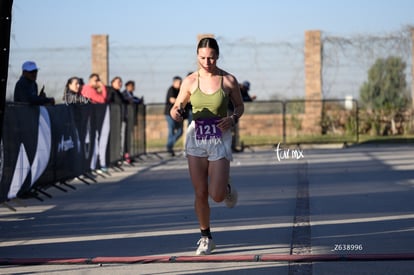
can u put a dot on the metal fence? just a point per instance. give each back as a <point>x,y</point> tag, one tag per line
<point>299,122</point>
<point>275,121</point>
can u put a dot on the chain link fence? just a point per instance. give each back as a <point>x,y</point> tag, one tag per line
<point>274,69</point>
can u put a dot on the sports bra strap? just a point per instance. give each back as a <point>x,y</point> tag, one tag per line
<point>198,79</point>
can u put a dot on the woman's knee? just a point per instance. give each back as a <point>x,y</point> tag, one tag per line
<point>218,197</point>
<point>218,194</point>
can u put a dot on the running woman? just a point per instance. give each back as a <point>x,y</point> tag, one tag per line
<point>208,141</point>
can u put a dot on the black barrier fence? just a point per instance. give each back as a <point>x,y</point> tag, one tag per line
<point>44,145</point>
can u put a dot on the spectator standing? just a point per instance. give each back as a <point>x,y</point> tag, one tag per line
<point>26,89</point>
<point>81,84</point>
<point>175,128</point>
<point>95,90</point>
<point>114,91</point>
<point>129,93</point>
<point>72,93</point>
<point>117,97</point>
<point>244,89</point>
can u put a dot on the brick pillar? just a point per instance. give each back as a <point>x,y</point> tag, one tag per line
<point>100,57</point>
<point>204,35</point>
<point>313,82</point>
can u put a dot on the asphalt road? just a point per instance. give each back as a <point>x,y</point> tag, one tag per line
<point>302,211</point>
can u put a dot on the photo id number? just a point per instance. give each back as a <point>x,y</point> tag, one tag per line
<point>348,247</point>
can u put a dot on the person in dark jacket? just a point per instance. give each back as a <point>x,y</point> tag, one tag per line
<point>117,97</point>
<point>175,128</point>
<point>26,90</point>
<point>244,89</point>
<point>128,93</point>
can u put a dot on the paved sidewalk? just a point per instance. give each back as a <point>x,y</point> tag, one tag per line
<point>319,203</point>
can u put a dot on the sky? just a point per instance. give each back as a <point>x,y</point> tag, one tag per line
<point>66,24</point>
<point>51,23</point>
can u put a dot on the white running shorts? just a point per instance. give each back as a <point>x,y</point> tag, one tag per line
<point>213,149</point>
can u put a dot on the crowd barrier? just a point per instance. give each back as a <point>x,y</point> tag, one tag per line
<point>43,145</point>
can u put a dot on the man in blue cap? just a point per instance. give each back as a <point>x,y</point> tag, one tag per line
<point>244,89</point>
<point>26,90</point>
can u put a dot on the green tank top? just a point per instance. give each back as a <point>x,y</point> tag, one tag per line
<point>209,105</point>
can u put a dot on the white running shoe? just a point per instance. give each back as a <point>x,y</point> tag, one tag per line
<point>232,197</point>
<point>205,246</point>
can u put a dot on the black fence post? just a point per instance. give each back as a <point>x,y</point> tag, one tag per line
<point>5,28</point>
<point>144,142</point>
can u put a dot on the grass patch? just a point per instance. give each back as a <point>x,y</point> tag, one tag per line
<point>159,144</point>
<point>365,139</point>
<point>304,139</point>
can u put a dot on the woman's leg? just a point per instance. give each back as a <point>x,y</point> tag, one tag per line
<point>198,167</point>
<point>219,172</point>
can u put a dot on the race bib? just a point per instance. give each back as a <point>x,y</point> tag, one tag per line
<point>206,128</point>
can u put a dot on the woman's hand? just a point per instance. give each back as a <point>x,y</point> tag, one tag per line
<point>176,113</point>
<point>225,123</point>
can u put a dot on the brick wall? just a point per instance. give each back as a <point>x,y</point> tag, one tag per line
<point>261,125</point>
<point>249,125</point>
<point>156,127</point>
